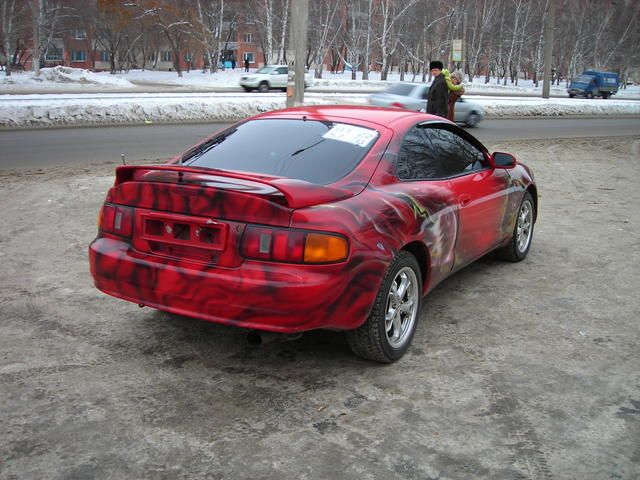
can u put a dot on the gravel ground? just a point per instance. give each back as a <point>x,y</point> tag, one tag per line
<point>517,371</point>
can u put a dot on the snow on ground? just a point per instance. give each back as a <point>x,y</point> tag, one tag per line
<point>64,78</point>
<point>24,111</point>
<point>60,79</point>
<point>72,109</point>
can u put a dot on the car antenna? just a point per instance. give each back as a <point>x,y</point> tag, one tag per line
<point>123,162</point>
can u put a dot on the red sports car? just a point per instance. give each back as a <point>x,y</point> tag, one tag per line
<point>335,217</point>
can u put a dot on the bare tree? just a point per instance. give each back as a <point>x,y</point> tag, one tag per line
<point>45,17</point>
<point>323,30</point>
<point>174,20</point>
<point>209,27</point>
<point>7,24</point>
<point>355,32</point>
<point>391,12</point>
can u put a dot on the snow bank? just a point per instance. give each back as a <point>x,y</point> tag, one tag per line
<point>61,74</point>
<point>20,111</point>
<point>48,112</point>
<point>554,107</point>
<point>60,79</point>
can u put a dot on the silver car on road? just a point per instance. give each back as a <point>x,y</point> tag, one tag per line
<point>269,77</point>
<point>413,96</point>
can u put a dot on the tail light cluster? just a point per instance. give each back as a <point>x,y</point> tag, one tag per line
<point>116,220</point>
<point>293,246</point>
<point>258,242</point>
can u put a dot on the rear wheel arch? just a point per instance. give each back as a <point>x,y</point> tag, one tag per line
<point>421,253</point>
<point>534,193</point>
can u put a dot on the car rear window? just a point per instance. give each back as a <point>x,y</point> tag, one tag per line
<point>319,152</point>
<point>401,89</point>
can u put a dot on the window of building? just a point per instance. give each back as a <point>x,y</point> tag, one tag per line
<point>250,56</point>
<point>104,56</point>
<point>165,56</point>
<point>54,54</point>
<point>80,34</point>
<point>151,57</point>
<point>247,38</point>
<point>78,56</point>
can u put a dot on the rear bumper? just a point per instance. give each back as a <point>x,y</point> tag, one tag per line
<point>260,295</point>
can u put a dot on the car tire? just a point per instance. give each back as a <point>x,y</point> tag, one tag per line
<point>605,95</point>
<point>247,89</point>
<point>263,87</point>
<point>387,333</point>
<point>520,244</point>
<point>571,95</point>
<point>472,119</point>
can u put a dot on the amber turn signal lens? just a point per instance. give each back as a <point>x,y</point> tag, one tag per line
<point>321,248</point>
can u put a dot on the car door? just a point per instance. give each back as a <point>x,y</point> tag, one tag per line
<point>280,77</point>
<point>461,110</point>
<point>415,100</point>
<point>481,191</point>
<point>421,92</point>
<point>423,184</point>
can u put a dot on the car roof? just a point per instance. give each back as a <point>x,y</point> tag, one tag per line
<point>355,113</point>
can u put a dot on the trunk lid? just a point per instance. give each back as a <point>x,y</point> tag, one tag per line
<point>200,214</point>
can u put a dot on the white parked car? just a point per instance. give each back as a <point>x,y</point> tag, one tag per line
<point>268,77</point>
<point>413,96</point>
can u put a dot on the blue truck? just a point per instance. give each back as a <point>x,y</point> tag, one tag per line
<point>590,84</point>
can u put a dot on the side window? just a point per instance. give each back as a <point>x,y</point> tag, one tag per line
<point>474,158</point>
<point>418,159</point>
<point>447,147</point>
<point>282,70</point>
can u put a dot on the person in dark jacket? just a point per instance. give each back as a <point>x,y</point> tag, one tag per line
<point>246,64</point>
<point>438,97</point>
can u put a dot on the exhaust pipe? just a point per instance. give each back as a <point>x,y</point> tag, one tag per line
<point>256,338</point>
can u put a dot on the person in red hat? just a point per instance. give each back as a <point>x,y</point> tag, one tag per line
<point>438,97</point>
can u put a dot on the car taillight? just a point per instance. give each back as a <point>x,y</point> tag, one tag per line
<point>116,220</point>
<point>293,246</point>
<point>397,105</point>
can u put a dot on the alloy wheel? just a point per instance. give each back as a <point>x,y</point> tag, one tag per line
<point>402,307</point>
<point>524,230</point>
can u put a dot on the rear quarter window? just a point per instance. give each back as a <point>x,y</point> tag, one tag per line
<point>319,152</point>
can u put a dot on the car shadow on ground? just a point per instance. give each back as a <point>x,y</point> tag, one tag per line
<point>178,340</point>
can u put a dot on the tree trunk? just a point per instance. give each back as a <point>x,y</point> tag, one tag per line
<point>37,9</point>
<point>283,36</point>
<point>367,46</point>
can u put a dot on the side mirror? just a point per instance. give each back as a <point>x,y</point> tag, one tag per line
<point>503,160</point>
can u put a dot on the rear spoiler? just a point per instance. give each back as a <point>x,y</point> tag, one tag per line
<point>295,193</point>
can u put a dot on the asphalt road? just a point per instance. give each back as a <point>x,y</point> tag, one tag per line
<point>28,149</point>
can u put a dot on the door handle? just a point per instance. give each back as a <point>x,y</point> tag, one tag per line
<point>465,200</point>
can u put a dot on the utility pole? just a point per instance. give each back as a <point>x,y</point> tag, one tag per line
<point>36,11</point>
<point>549,25</point>
<point>297,52</point>
<point>463,64</point>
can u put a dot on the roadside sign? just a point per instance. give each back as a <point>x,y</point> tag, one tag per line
<point>456,50</point>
